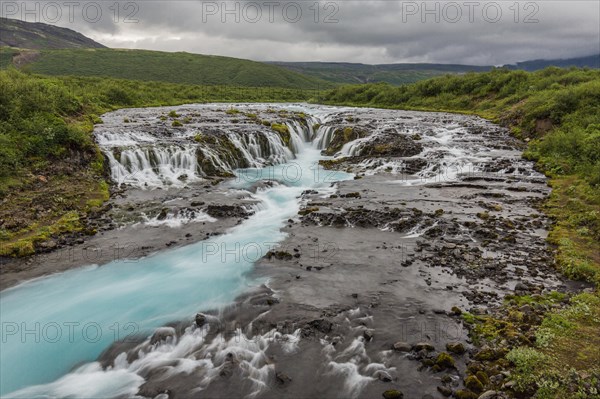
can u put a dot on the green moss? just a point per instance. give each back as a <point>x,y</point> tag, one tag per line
<point>173,114</point>
<point>176,123</point>
<point>473,384</point>
<point>392,394</point>
<point>465,394</point>
<point>306,211</point>
<point>483,215</point>
<point>444,360</point>
<point>455,347</point>
<point>482,377</point>
<point>283,132</point>
<point>343,136</point>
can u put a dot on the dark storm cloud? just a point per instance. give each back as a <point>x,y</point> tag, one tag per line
<point>357,31</point>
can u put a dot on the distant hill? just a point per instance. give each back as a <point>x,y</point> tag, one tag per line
<point>160,66</point>
<point>396,74</point>
<point>16,33</point>
<point>592,61</point>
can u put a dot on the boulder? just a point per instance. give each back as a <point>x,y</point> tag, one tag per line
<point>401,346</point>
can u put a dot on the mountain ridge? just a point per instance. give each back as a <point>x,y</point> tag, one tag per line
<point>38,35</point>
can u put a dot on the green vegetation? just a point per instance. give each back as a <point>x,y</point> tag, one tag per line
<point>49,165</point>
<point>565,361</point>
<point>183,68</point>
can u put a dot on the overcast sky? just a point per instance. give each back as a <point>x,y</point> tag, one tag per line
<point>385,31</point>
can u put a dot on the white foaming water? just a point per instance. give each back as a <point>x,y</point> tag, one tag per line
<point>122,138</point>
<point>92,307</point>
<point>154,166</point>
<point>180,218</point>
<point>167,159</point>
<point>189,353</point>
<point>373,166</point>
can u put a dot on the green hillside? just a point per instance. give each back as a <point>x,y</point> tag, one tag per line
<point>395,74</point>
<point>401,74</point>
<point>16,33</point>
<point>183,68</point>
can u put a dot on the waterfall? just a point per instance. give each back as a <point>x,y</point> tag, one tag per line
<point>324,135</point>
<point>353,148</point>
<point>154,166</point>
<point>167,162</point>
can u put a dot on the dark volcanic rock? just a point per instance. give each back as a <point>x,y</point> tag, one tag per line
<point>226,211</point>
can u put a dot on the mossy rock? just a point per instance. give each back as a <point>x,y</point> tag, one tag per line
<point>343,136</point>
<point>483,215</point>
<point>465,394</point>
<point>455,347</point>
<point>308,210</point>
<point>283,132</point>
<point>483,377</point>
<point>424,345</point>
<point>456,311</point>
<point>486,354</point>
<point>473,384</point>
<point>444,360</point>
<point>393,394</point>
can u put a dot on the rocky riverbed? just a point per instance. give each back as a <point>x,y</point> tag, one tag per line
<point>367,294</point>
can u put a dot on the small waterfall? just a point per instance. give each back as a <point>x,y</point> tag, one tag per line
<point>313,121</point>
<point>296,136</point>
<point>324,135</point>
<point>353,148</point>
<point>154,166</point>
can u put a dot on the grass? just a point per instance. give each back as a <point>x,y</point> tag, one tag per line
<point>180,67</point>
<point>565,361</point>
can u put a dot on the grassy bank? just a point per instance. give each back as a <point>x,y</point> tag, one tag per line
<point>558,112</point>
<point>51,171</point>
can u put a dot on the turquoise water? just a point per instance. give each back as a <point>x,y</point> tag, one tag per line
<point>54,324</point>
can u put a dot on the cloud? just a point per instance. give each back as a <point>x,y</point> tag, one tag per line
<point>367,31</point>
